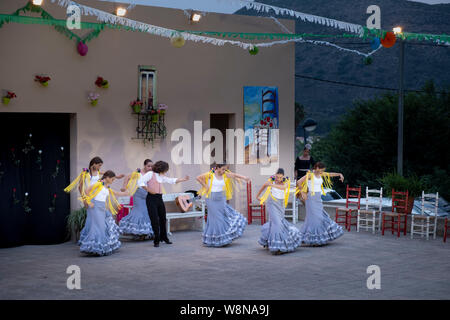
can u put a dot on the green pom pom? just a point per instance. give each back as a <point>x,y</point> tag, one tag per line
<point>253,51</point>
<point>368,60</point>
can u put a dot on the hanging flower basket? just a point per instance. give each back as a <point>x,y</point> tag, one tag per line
<point>43,80</point>
<point>10,95</point>
<point>94,102</point>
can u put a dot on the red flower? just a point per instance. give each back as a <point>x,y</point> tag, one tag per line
<point>99,81</point>
<point>54,196</point>
<point>14,189</point>
<point>262,122</point>
<point>57,161</point>
<point>268,118</point>
<point>271,125</point>
<point>11,95</point>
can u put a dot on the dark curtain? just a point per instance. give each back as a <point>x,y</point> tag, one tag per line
<point>40,217</point>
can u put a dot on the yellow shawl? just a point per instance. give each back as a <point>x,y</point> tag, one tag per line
<point>310,176</point>
<point>209,180</point>
<point>132,183</point>
<point>83,179</point>
<point>111,202</point>
<point>269,192</point>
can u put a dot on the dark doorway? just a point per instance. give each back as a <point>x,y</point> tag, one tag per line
<point>34,159</point>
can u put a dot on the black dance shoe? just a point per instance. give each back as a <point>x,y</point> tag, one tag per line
<point>156,244</point>
<point>167,241</point>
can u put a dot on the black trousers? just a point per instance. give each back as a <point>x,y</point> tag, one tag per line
<point>157,214</point>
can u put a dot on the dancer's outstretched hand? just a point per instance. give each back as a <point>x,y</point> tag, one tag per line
<point>341,177</point>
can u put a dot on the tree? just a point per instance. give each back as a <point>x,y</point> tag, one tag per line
<point>363,145</point>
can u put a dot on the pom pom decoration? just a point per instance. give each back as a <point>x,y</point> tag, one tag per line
<point>254,51</point>
<point>177,41</point>
<point>389,40</point>
<point>375,43</point>
<point>82,48</point>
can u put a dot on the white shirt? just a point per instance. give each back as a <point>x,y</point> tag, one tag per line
<point>277,193</point>
<point>159,178</point>
<point>317,185</point>
<point>102,195</point>
<point>94,179</point>
<point>217,184</point>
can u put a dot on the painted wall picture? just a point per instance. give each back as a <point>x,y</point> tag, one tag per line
<point>261,120</point>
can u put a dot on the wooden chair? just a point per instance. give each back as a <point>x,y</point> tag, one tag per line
<point>371,219</point>
<point>346,216</point>
<point>254,206</point>
<point>398,216</point>
<point>426,220</point>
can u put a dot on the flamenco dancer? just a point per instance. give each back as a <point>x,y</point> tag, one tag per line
<point>88,177</point>
<point>278,235</point>
<point>100,235</point>
<point>318,228</point>
<point>151,181</point>
<point>137,222</point>
<point>224,224</point>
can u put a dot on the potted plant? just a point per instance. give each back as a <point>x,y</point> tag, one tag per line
<point>43,80</point>
<point>93,98</point>
<point>162,108</point>
<point>76,221</point>
<point>101,83</point>
<point>154,114</point>
<point>136,105</point>
<point>412,184</point>
<point>9,95</point>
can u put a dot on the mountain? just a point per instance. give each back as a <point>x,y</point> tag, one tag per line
<point>326,102</point>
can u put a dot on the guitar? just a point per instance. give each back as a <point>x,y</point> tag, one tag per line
<point>183,203</point>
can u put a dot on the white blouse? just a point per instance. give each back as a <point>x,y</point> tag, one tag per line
<point>217,184</point>
<point>317,185</point>
<point>159,178</point>
<point>94,179</point>
<point>102,195</point>
<point>277,193</point>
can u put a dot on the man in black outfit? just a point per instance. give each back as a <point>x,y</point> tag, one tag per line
<point>155,204</point>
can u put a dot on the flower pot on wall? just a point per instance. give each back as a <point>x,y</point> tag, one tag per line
<point>137,108</point>
<point>5,100</point>
<point>154,117</point>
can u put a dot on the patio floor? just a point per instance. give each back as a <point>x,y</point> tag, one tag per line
<point>410,269</point>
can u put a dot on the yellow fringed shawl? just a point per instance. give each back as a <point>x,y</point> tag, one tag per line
<point>310,176</point>
<point>83,179</point>
<point>132,183</point>
<point>111,202</point>
<point>269,192</point>
<point>208,181</point>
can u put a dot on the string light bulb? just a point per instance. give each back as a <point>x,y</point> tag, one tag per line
<point>397,30</point>
<point>37,2</point>
<point>121,11</point>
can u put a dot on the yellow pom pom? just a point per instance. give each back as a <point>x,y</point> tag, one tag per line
<point>177,41</point>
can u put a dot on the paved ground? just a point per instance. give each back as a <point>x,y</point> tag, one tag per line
<point>410,269</point>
